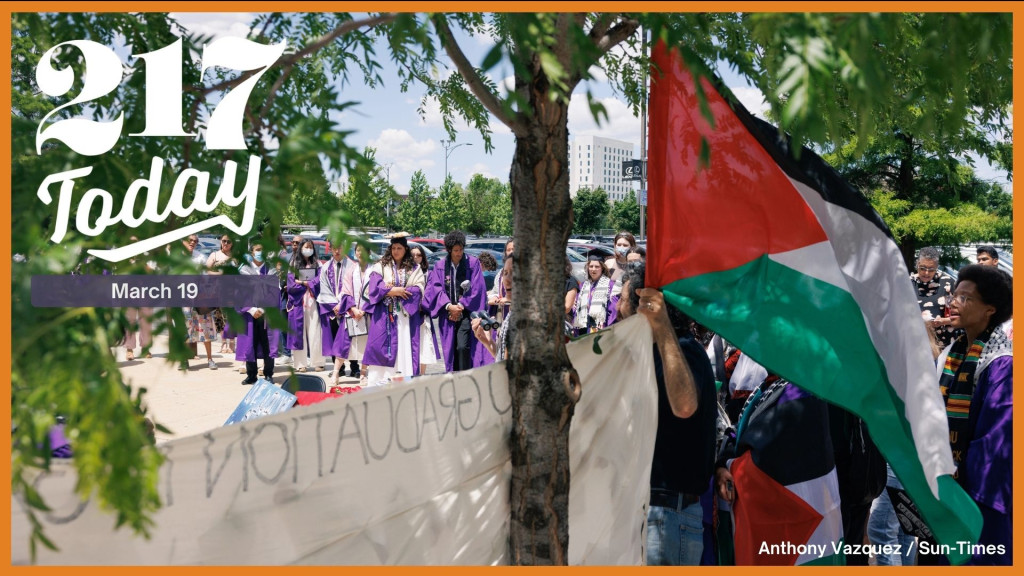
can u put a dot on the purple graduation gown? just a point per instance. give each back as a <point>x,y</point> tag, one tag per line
<point>989,461</point>
<point>382,341</point>
<point>474,300</point>
<point>333,345</point>
<point>245,351</point>
<point>295,338</point>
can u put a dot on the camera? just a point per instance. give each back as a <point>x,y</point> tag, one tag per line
<point>486,322</point>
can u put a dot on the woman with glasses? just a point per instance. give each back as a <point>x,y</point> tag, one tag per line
<point>301,290</point>
<point>933,290</point>
<point>976,382</point>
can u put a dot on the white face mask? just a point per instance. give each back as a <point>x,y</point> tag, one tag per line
<point>622,250</point>
<point>307,252</point>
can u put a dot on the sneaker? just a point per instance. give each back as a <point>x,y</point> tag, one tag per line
<point>287,361</point>
<point>213,365</point>
<point>248,382</point>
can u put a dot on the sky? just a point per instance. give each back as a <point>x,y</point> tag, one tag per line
<point>406,141</point>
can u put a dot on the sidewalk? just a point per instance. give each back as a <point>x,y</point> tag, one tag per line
<point>200,400</point>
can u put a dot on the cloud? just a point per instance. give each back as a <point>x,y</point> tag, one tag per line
<point>218,25</point>
<point>620,124</point>
<point>752,99</point>
<point>405,154</point>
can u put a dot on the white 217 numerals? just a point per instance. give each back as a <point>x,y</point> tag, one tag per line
<point>163,89</point>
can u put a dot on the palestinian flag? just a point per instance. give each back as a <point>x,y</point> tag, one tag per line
<point>785,260</point>
<point>787,493</point>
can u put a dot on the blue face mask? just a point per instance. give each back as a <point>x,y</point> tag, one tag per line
<point>258,256</point>
<point>622,250</point>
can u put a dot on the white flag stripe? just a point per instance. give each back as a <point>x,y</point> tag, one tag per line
<point>877,279</point>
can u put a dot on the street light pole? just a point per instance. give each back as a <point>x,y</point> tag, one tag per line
<point>387,174</point>
<point>449,147</point>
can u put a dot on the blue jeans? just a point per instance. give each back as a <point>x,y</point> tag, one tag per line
<point>884,528</point>
<point>675,538</point>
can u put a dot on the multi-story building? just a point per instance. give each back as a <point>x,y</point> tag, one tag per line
<point>596,162</point>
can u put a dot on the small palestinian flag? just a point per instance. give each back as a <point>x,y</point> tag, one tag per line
<point>787,504</point>
<point>785,260</point>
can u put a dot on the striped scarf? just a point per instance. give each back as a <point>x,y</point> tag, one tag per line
<point>957,386</point>
<point>596,304</point>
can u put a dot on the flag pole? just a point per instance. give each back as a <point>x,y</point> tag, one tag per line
<point>643,137</point>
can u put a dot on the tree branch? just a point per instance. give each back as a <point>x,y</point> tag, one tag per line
<point>289,60</point>
<point>490,101</point>
<point>624,29</point>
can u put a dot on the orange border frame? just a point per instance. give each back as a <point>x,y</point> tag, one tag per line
<point>530,6</point>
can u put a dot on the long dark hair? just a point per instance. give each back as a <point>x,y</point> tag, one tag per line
<point>300,261</point>
<point>406,263</point>
<point>423,265</point>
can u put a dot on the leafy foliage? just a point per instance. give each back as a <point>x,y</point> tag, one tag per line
<point>415,214</point>
<point>589,210</point>
<point>449,209</point>
<point>625,214</point>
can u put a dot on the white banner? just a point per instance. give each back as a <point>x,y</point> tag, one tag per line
<point>415,474</point>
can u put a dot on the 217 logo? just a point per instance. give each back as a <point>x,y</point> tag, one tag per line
<point>163,89</point>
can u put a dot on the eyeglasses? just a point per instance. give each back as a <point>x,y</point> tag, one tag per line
<point>192,241</point>
<point>960,299</point>
<point>926,269</point>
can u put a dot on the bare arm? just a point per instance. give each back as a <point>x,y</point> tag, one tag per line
<point>679,383</point>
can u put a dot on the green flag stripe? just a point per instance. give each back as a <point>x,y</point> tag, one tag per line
<point>812,332</point>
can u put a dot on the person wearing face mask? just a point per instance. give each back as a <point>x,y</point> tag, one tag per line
<point>354,303</point>
<point>302,290</point>
<point>257,340</point>
<point>617,264</point>
<point>335,341</point>
<point>596,301</point>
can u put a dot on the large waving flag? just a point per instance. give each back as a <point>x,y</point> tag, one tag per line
<point>784,259</point>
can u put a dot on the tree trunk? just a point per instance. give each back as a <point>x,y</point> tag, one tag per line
<point>543,384</point>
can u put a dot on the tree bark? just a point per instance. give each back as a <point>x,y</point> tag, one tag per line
<point>542,382</point>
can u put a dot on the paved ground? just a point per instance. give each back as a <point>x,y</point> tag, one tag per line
<point>193,402</point>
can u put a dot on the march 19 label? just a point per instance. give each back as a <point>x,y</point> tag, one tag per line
<point>158,291</point>
<point>163,93</point>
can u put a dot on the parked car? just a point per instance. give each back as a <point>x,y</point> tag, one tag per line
<point>588,248</point>
<point>435,244</point>
<point>380,245</point>
<point>492,244</point>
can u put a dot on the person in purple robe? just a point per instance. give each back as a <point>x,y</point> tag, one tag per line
<point>429,353</point>
<point>303,312</point>
<point>334,340</point>
<point>977,386</point>
<point>258,340</point>
<point>353,302</point>
<point>395,288</point>
<point>455,289</point>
